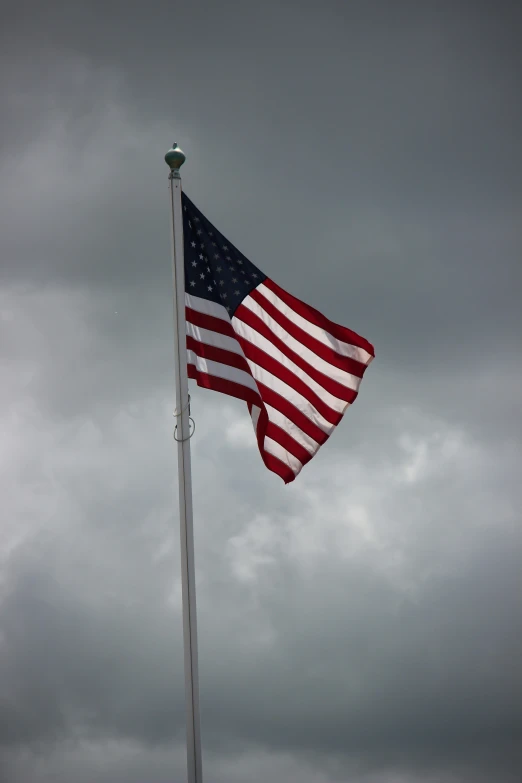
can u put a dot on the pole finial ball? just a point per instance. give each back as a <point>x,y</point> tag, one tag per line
<point>175,158</point>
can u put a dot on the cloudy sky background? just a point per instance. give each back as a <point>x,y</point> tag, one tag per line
<point>362,624</point>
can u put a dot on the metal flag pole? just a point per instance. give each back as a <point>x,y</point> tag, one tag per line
<point>175,159</point>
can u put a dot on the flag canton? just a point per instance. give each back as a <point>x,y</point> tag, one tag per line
<point>214,268</point>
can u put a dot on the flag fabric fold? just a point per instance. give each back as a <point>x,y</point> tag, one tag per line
<point>246,337</point>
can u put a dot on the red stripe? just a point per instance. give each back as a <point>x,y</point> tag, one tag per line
<point>287,442</point>
<point>262,424</point>
<point>224,386</point>
<point>282,373</point>
<point>216,354</point>
<point>326,353</point>
<point>337,389</point>
<point>209,322</point>
<point>317,318</point>
<point>271,397</point>
<point>276,466</point>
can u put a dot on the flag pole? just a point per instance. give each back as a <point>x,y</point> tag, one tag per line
<point>175,159</point>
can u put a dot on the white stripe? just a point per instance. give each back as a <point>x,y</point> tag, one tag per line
<point>289,394</point>
<point>282,454</point>
<point>216,339</point>
<point>207,307</point>
<point>292,429</point>
<point>333,372</point>
<point>345,349</point>
<point>258,340</point>
<point>222,370</point>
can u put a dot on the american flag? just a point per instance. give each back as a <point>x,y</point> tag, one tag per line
<point>248,338</point>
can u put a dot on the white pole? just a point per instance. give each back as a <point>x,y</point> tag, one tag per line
<point>175,158</point>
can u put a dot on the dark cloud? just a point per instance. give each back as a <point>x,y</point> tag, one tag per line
<point>348,623</point>
<point>411,151</point>
<point>363,622</point>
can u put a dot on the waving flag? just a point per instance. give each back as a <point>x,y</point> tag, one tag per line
<point>248,338</point>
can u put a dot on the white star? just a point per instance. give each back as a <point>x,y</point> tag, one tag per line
<point>216,255</point>
<point>238,261</point>
<point>221,282</point>
<point>234,279</point>
<point>199,232</point>
<point>202,276</point>
<point>225,247</point>
<point>213,243</point>
<point>218,269</point>
<point>223,296</point>
<point>232,268</point>
<point>209,288</point>
<point>201,256</point>
<point>190,224</point>
<point>194,263</point>
<point>228,308</point>
<point>237,293</point>
<point>254,274</point>
<point>192,283</point>
<point>228,258</point>
<point>193,244</point>
<point>196,220</point>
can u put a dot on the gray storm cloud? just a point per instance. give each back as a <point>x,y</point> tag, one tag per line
<point>362,624</point>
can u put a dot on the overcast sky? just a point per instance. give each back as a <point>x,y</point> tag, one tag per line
<point>364,623</point>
